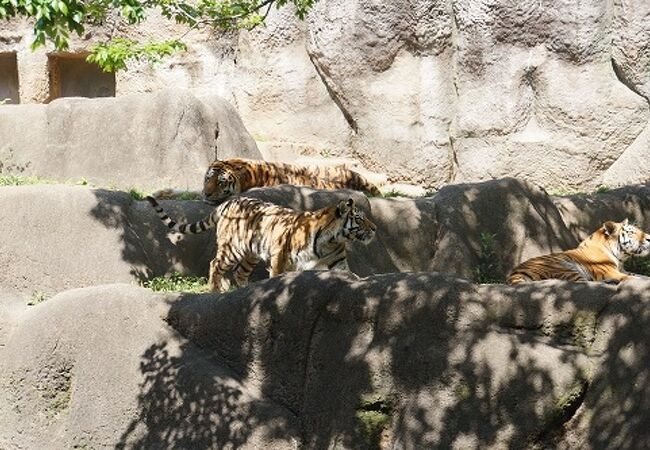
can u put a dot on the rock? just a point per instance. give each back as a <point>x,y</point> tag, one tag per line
<point>416,360</point>
<point>477,231</point>
<point>61,237</point>
<point>584,214</point>
<point>99,367</point>
<point>427,92</point>
<point>150,141</point>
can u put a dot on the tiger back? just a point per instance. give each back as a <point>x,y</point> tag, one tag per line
<point>249,230</point>
<point>599,257</point>
<point>228,177</point>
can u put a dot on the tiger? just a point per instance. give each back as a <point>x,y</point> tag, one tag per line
<point>250,230</point>
<point>599,257</point>
<point>228,177</point>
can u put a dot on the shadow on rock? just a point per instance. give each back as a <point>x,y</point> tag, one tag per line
<point>406,360</point>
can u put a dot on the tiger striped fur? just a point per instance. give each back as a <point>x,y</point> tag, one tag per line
<point>228,177</point>
<point>598,258</point>
<point>249,230</point>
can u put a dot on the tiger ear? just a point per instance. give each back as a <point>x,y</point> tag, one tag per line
<point>609,228</point>
<point>625,222</point>
<point>350,203</point>
<point>343,207</point>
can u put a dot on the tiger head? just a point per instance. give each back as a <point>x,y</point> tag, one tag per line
<point>355,226</point>
<point>220,182</point>
<point>625,239</point>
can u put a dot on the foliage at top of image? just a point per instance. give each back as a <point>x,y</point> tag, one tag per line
<point>56,20</point>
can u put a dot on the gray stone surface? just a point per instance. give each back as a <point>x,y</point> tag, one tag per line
<point>431,92</point>
<point>302,359</point>
<point>148,141</point>
<point>61,237</point>
<point>99,368</point>
<point>81,237</point>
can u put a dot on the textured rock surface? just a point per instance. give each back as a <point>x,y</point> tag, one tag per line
<point>81,237</point>
<point>308,359</point>
<point>99,368</point>
<point>62,237</point>
<point>552,91</point>
<point>149,141</point>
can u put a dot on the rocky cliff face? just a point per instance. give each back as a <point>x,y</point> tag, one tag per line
<point>551,91</point>
<point>434,91</point>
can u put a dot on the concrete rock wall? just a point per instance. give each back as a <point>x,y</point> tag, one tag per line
<point>148,141</point>
<point>552,91</point>
<point>323,360</point>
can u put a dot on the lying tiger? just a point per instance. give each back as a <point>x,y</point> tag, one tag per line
<point>598,258</point>
<point>249,230</point>
<point>233,176</point>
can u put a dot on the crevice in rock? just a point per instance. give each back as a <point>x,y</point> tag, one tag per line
<point>454,165</point>
<point>305,369</point>
<point>626,81</point>
<point>565,409</point>
<point>453,159</point>
<point>333,94</point>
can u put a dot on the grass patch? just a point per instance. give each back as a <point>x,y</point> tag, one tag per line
<point>10,179</point>
<point>373,417</point>
<point>177,283</point>
<point>134,192</point>
<point>37,298</point>
<point>189,195</point>
<point>392,194</point>
<point>137,194</point>
<point>639,266</point>
<point>488,270</point>
<point>21,180</point>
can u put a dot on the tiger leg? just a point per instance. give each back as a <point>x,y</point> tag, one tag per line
<point>278,264</point>
<point>220,265</point>
<point>341,264</point>
<point>244,268</point>
<point>616,277</point>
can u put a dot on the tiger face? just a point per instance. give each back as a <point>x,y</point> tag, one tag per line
<point>219,184</point>
<point>355,225</point>
<point>631,240</point>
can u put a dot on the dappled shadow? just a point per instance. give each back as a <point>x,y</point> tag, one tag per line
<point>147,246</point>
<point>190,399</point>
<point>478,231</point>
<point>619,399</point>
<point>455,364</point>
<point>406,360</point>
<point>184,405</point>
<point>583,214</point>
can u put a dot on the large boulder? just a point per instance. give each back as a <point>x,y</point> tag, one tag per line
<point>552,91</point>
<point>323,360</point>
<point>149,141</point>
<point>60,237</point>
<point>584,214</point>
<point>476,231</point>
<point>99,368</point>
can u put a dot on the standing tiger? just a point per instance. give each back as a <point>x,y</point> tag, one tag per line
<point>228,177</point>
<point>598,258</point>
<point>249,230</point>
